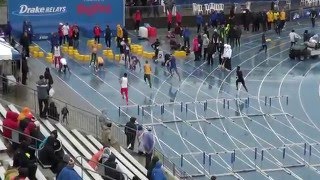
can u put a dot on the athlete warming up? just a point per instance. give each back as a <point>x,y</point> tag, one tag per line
<point>240,79</point>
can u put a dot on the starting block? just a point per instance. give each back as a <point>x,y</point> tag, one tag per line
<point>49,59</point>
<point>40,54</point>
<point>64,49</point>
<point>86,58</point>
<point>70,52</point>
<point>117,57</point>
<point>90,42</point>
<point>180,54</point>
<point>35,54</point>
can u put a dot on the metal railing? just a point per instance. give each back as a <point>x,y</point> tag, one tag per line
<point>82,120</point>
<point>79,159</point>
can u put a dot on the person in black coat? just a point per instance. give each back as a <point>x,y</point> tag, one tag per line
<point>131,130</point>
<point>211,50</point>
<point>110,169</point>
<point>47,155</point>
<point>48,77</point>
<point>21,159</point>
<point>25,42</point>
<point>25,70</point>
<point>200,45</point>
<point>107,36</point>
<point>53,112</point>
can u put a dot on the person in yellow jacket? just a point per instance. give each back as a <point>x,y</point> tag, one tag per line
<point>270,19</point>
<point>119,35</point>
<point>283,18</point>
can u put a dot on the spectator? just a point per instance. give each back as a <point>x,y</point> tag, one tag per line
<point>22,159</point>
<point>65,113</point>
<point>137,19</point>
<point>47,155</point>
<point>11,173</point>
<point>130,131</point>
<point>43,96</point>
<point>151,166</point>
<point>25,113</point>
<point>199,21</point>
<point>111,169</point>
<point>62,164</point>
<point>32,130</point>
<point>30,31</point>
<point>148,144</point>
<point>25,70</point>
<point>68,172</point>
<point>178,18</point>
<point>119,35</point>
<point>186,37</point>
<point>53,112</point>
<point>107,36</point>
<point>54,41</point>
<point>205,46</point>
<point>24,42</point>
<point>93,162</point>
<point>11,121</point>
<point>157,172</point>
<point>48,77</point>
<point>140,132</point>
<point>70,36</point>
<point>75,37</point>
<point>60,32</point>
<point>65,32</point>
<point>22,174</point>
<point>169,21</point>
<point>97,32</point>
<point>196,47</point>
<point>107,138</point>
<point>8,30</point>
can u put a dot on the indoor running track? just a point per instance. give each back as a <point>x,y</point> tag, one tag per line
<point>242,126</point>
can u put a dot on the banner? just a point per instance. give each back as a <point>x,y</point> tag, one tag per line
<point>45,15</point>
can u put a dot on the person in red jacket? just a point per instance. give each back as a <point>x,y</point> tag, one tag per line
<point>137,19</point>
<point>97,32</point>
<point>169,20</point>
<point>178,18</point>
<point>70,34</point>
<point>11,121</point>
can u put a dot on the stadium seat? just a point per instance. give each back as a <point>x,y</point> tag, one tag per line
<point>84,141</point>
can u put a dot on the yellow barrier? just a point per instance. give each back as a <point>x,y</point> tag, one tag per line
<point>77,57</point>
<point>64,49</point>
<point>145,54</point>
<point>70,48</point>
<point>49,54</point>
<point>86,58</point>
<point>35,54</point>
<point>31,48</point>
<point>134,49</point>
<point>110,56</point>
<point>40,54</point>
<point>139,52</point>
<point>180,54</point>
<point>81,57</point>
<point>49,59</point>
<point>117,57</point>
<point>70,52</point>
<point>75,51</point>
<point>129,40</point>
<point>105,52</point>
<point>99,46</point>
<point>36,48</point>
<point>90,42</point>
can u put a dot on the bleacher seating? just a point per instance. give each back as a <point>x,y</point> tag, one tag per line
<point>3,112</point>
<point>71,150</point>
<point>133,161</point>
<point>84,141</point>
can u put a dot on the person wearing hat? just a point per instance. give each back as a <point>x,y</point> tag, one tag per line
<point>148,141</point>
<point>130,131</point>
<point>68,172</point>
<point>107,138</point>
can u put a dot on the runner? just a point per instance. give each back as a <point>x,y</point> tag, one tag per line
<point>94,55</point>
<point>100,63</point>
<point>124,87</point>
<point>64,65</point>
<point>56,56</point>
<point>173,66</point>
<point>134,62</point>
<point>263,43</point>
<point>155,46</point>
<point>240,79</point>
<point>147,73</point>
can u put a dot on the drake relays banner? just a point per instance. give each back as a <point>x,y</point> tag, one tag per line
<point>45,15</point>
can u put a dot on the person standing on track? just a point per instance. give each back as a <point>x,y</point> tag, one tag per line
<point>240,79</point>
<point>293,37</point>
<point>94,55</point>
<point>313,16</point>
<point>107,36</point>
<point>97,32</point>
<point>56,56</point>
<point>155,46</point>
<point>263,43</point>
<point>147,73</point>
<point>124,87</point>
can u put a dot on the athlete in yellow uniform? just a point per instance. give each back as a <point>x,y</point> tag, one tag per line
<point>147,73</point>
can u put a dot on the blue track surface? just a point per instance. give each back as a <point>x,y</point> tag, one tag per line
<point>271,74</point>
